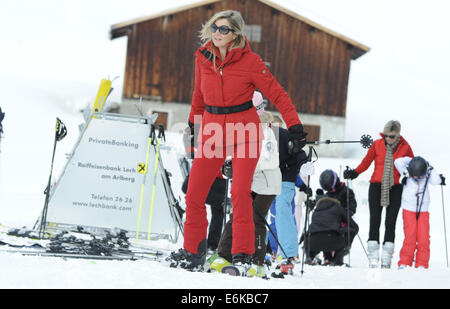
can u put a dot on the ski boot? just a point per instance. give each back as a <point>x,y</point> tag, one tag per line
<point>286,266</point>
<point>373,252</point>
<point>260,271</point>
<point>386,255</point>
<point>189,261</point>
<point>218,264</point>
<point>241,266</point>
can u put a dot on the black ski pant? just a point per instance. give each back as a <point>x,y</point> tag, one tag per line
<point>327,242</point>
<point>215,226</point>
<point>395,197</point>
<point>261,206</point>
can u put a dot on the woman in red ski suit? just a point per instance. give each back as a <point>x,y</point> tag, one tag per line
<point>226,75</point>
<point>385,190</point>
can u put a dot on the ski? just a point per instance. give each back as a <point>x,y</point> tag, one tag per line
<point>77,244</point>
<point>232,271</point>
<point>70,255</point>
<point>102,94</point>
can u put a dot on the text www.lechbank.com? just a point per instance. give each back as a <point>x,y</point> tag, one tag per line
<point>103,206</point>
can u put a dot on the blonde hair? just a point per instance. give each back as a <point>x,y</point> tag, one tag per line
<point>266,117</point>
<point>237,25</point>
<point>277,119</point>
<point>392,126</point>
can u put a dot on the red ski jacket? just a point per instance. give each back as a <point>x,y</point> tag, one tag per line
<point>377,153</point>
<point>232,83</point>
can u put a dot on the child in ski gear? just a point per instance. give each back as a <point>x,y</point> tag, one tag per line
<point>226,75</point>
<point>330,182</point>
<point>415,204</point>
<point>285,222</point>
<point>326,233</point>
<point>302,188</point>
<point>385,190</point>
<point>266,185</point>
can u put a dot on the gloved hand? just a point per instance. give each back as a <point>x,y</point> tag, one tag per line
<point>350,174</point>
<point>307,190</point>
<point>310,204</point>
<point>442,179</point>
<point>227,169</point>
<point>319,194</point>
<point>404,178</point>
<point>188,141</point>
<point>192,132</point>
<point>297,139</point>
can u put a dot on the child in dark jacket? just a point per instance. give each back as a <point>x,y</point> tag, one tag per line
<point>326,233</point>
<point>330,182</point>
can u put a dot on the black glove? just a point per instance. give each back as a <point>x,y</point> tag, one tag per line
<point>319,194</point>
<point>350,174</point>
<point>192,131</point>
<point>404,180</point>
<point>442,179</point>
<point>189,140</point>
<point>297,139</point>
<point>227,169</point>
<point>308,191</point>
<point>310,204</point>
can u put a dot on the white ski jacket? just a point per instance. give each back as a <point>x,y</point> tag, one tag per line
<point>413,191</point>
<point>267,177</point>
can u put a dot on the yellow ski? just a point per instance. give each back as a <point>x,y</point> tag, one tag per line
<point>102,94</point>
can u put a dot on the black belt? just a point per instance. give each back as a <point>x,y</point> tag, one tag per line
<point>220,110</point>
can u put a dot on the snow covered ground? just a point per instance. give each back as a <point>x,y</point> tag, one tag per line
<point>413,94</point>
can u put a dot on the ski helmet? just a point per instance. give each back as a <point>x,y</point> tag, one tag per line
<point>417,167</point>
<point>328,180</point>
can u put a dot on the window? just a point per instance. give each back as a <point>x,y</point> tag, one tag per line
<point>253,33</point>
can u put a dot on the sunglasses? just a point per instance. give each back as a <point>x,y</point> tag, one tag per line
<point>390,136</point>
<point>222,29</point>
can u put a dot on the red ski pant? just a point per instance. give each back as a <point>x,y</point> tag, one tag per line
<point>203,172</point>
<point>417,239</point>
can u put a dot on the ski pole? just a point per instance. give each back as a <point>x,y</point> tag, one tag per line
<point>360,240</point>
<point>226,164</point>
<point>151,137</point>
<point>225,203</point>
<point>348,219</point>
<point>443,216</point>
<point>419,206</point>
<point>273,234</point>
<point>160,135</point>
<point>362,245</point>
<point>311,149</point>
<point>60,133</point>
<point>365,141</point>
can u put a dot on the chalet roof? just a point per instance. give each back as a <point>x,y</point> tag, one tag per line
<point>120,29</point>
